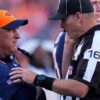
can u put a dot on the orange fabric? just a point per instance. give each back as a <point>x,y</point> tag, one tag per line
<point>6,18</point>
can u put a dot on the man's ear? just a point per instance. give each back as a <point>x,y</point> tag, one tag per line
<point>78,17</point>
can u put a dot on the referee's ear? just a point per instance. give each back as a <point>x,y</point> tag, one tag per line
<point>78,18</point>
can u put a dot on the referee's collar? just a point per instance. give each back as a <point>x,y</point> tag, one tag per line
<point>96,27</point>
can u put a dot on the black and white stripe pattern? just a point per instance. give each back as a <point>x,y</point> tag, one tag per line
<point>87,61</point>
<point>92,61</point>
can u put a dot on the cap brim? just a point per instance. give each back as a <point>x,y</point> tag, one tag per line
<point>15,24</point>
<point>57,16</point>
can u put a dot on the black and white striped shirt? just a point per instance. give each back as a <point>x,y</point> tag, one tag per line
<point>86,64</point>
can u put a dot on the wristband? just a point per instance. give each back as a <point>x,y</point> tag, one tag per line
<point>44,81</point>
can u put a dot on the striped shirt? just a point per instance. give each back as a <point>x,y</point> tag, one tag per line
<point>86,64</point>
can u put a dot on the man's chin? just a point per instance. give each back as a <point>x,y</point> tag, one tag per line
<point>13,50</point>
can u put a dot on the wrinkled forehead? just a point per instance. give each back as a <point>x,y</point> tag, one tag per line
<point>4,30</point>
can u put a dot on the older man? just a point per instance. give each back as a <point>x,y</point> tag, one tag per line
<point>8,60</point>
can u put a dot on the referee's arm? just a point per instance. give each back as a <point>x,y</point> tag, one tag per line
<point>70,88</point>
<point>66,87</point>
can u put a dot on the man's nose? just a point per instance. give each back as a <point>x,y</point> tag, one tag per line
<point>17,36</point>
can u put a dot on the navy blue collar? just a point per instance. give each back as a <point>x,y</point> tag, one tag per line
<point>7,58</point>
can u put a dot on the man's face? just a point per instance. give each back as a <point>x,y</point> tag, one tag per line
<point>96,5</point>
<point>8,40</point>
<point>70,26</point>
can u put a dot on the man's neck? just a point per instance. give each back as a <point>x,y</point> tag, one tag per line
<point>87,27</point>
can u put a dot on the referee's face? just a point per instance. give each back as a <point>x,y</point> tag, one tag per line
<point>8,40</point>
<point>71,26</point>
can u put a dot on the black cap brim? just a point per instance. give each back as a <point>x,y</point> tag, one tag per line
<point>57,16</point>
<point>15,24</point>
